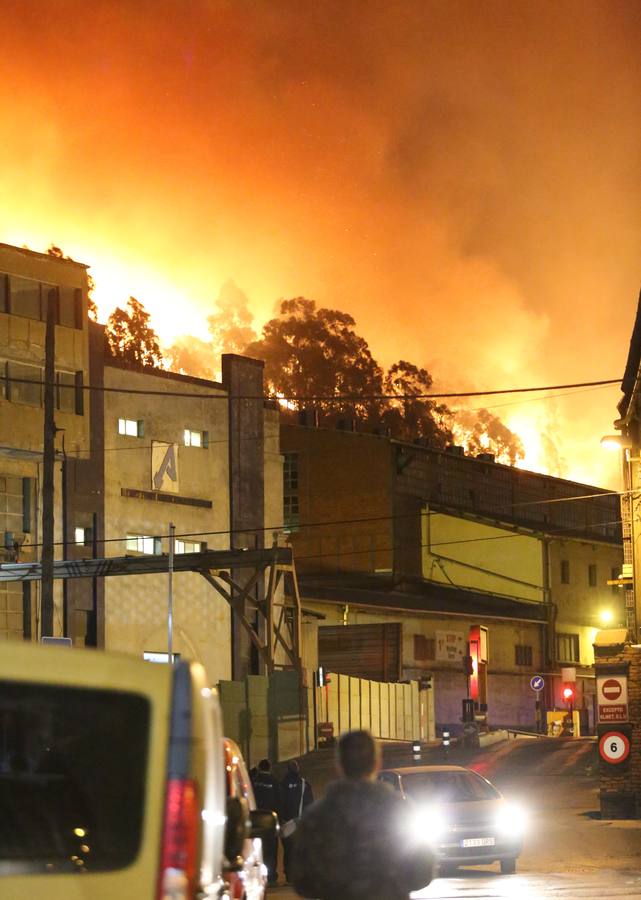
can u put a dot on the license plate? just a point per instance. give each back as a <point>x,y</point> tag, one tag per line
<point>478,842</point>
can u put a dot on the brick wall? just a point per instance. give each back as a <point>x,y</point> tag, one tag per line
<point>620,785</point>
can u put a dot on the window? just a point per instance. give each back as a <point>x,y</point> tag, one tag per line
<point>66,391</point>
<point>196,438</point>
<point>4,293</point>
<point>66,819</point>
<point>131,427</point>
<point>567,648</point>
<point>25,297</point>
<point>70,307</point>
<point>522,655</point>
<point>83,537</point>
<point>565,571</point>
<point>25,384</point>
<point>424,648</point>
<point>189,546</point>
<point>144,543</point>
<point>592,574</point>
<point>291,511</point>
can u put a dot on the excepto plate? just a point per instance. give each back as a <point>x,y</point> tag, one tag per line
<point>478,842</point>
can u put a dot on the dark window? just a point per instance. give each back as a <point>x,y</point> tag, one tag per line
<point>66,392</point>
<point>4,293</point>
<point>565,571</point>
<point>67,307</point>
<point>4,380</point>
<point>592,574</point>
<point>424,648</point>
<point>522,655</point>
<point>291,510</point>
<point>73,765</point>
<point>24,297</point>
<point>567,648</point>
<point>49,294</point>
<point>79,394</point>
<point>26,505</point>
<point>78,309</point>
<point>25,384</point>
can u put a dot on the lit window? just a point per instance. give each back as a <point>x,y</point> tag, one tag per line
<point>131,427</point>
<point>81,536</point>
<point>196,438</point>
<point>189,546</point>
<point>567,648</point>
<point>144,543</point>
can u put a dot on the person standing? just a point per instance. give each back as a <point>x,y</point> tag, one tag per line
<point>295,796</point>
<point>267,796</point>
<point>356,843</point>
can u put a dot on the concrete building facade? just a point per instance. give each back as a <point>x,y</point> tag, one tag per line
<point>437,542</point>
<point>139,449</point>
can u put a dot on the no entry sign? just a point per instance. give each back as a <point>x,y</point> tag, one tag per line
<point>612,698</point>
<point>614,747</point>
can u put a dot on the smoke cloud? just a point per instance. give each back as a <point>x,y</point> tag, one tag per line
<point>462,178</point>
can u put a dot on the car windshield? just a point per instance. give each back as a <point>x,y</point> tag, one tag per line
<point>448,787</point>
<point>72,778</point>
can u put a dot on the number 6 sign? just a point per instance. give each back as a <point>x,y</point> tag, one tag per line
<point>614,747</point>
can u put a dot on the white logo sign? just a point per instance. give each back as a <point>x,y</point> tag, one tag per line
<point>164,467</point>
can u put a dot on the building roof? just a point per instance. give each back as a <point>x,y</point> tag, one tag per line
<point>415,596</point>
<point>27,252</point>
<point>116,362</point>
<point>632,366</point>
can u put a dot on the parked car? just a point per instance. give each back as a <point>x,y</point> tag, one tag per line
<point>248,879</point>
<point>461,816</point>
<point>112,779</point>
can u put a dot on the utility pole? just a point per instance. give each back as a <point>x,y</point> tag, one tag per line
<point>170,594</point>
<point>48,464</point>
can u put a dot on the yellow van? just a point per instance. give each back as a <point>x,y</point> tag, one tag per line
<point>111,778</point>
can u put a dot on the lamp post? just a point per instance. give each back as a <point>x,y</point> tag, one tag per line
<point>630,529</point>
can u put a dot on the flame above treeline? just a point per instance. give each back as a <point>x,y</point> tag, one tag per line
<point>462,179</point>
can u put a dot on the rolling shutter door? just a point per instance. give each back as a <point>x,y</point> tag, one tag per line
<point>364,651</point>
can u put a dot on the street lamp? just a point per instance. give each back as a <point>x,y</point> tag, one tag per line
<point>630,530</point>
<point>606,616</point>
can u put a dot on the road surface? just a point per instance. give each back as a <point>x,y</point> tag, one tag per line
<point>569,852</point>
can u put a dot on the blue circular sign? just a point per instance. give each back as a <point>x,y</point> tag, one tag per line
<point>537,683</point>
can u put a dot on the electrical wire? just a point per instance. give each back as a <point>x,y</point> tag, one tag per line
<point>320,398</point>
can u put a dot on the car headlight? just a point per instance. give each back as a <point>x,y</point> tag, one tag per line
<point>511,820</point>
<point>429,824</point>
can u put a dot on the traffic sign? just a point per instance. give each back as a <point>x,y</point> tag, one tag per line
<point>612,698</point>
<point>612,689</point>
<point>537,683</point>
<point>614,747</point>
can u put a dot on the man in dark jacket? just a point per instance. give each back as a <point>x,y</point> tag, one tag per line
<point>267,795</point>
<point>295,796</point>
<point>355,843</point>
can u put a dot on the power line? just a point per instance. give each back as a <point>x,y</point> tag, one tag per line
<point>336,522</point>
<point>330,398</point>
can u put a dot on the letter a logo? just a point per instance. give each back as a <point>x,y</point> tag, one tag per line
<point>165,467</point>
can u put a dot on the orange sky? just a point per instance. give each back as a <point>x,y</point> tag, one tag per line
<point>464,178</point>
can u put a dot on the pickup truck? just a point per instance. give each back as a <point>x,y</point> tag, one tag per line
<point>113,781</point>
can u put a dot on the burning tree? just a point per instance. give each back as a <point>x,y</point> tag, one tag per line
<point>129,336</point>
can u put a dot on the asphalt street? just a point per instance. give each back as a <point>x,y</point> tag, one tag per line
<point>569,852</point>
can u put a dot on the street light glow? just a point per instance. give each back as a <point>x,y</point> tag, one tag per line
<point>606,616</point>
<point>615,442</point>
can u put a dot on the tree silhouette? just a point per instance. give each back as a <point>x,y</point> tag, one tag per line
<point>409,419</point>
<point>310,352</point>
<point>231,326</point>
<point>129,336</point>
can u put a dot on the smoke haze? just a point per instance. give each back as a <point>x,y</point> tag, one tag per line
<point>463,178</point>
